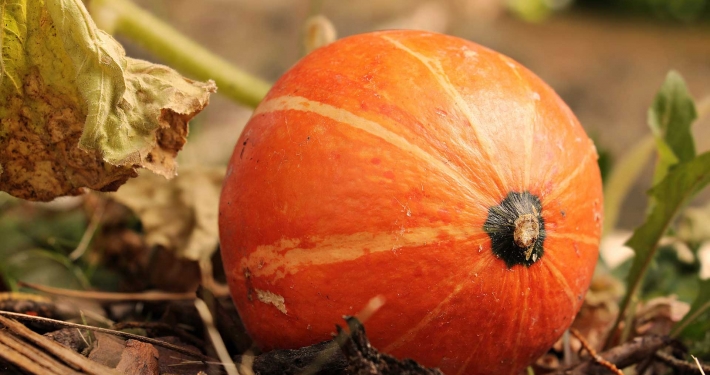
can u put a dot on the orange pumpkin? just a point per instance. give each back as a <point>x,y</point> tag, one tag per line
<point>424,168</point>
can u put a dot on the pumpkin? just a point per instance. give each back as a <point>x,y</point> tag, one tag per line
<point>423,168</point>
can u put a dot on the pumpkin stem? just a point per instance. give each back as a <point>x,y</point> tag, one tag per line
<point>526,231</point>
<point>517,229</point>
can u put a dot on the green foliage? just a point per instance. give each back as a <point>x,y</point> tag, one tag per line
<point>530,10</point>
<point>12,239</point>
<point>60,231</point>
<point>670,118</point>
<point>671,194</point>
<point>700,306</point>
<point>669,275</point>
<point>30,226</point>
<point>35,243</point>
<point>681,184</point>
<point>670,10</point>
<point>697,337</point>
<point>678,177</point>
<point>42,267</point>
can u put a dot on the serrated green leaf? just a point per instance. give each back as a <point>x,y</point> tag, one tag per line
<point>677,188</point>
<point>699,306</point>
<point>76,112</point>
<point>670,118</point>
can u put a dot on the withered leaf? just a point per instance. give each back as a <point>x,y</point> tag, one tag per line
<point>139,358</point>
<point>106,349</point>
<point>75,112</point>
<point>179,214</point>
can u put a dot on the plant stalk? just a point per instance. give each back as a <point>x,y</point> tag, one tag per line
<point>180,52</point>
<point>627,305</point>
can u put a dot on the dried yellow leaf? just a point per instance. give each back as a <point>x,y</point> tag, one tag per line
<point>75,112</point>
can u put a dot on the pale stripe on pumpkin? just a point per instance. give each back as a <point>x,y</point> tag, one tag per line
<point>464,366</point>
<point>434,66</point>
<point>563,186</point>
<point>523,285</point>
<point>577,237</point>
<point>529,135</point>
<point>286,257</point>
<point>434,313</point>
<point>552,267</point>
<point>297,103</point>
<point>529,139</point>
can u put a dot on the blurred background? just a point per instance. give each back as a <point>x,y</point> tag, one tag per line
<point>605,58</point>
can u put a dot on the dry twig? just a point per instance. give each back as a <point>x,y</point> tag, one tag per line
<point>164,329</point>
<point>621,356</point>
<point>683,366</point>
<point>593,353</point>
<point>217,342</point>
<point>59,323</point>
<point>27,350</point>
<point>698,363</point>
<point>110,297</point>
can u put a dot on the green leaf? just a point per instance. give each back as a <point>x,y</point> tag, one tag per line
<point>671,275</point>
<point>11,237</point>
<point>699,306</point>
<point>670,118</point>
<point>677,188</point>
<point>76,112</point>
<point>43,267</point>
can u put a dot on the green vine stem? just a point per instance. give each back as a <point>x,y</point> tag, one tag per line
<point>180,52</point>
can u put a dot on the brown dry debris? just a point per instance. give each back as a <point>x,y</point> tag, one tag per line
<point>37,354</point>
<point>106,349</point>
<point>363,359</point>
<point>139,358</point>
<point>659,315</point>
<point>39,150</point>
<point>621,356</point>
<point>350,353</point>
<point>179,215</point>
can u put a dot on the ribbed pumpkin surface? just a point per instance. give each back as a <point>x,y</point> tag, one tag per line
<point>372,167</point>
